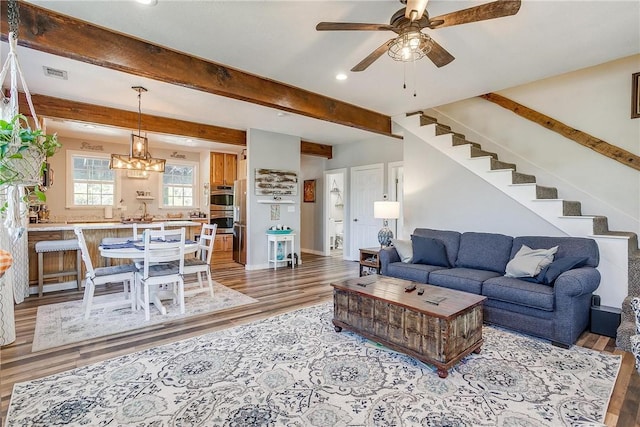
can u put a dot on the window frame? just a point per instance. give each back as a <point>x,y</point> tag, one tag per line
<point>69,183</point>
<point>196,193</point>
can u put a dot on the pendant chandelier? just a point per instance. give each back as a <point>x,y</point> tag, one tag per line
<point>139,157</point>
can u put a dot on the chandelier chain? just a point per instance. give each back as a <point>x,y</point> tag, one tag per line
<point>13,16</point>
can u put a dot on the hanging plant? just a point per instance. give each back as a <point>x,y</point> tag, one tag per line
<point>23,154</point>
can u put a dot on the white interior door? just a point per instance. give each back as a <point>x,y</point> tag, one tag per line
<point>396,192</point>
<point>366,187</point>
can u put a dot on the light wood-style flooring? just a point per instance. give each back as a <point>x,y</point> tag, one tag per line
<point>277,291</point>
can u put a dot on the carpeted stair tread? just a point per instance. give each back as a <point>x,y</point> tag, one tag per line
<point>600,224</point>
<point>522,178</point>
<point>546,192</point>
<point>442,129</point>
<point>459,139</point>
<point>571,208</point>
<point>427,120</point>
<point>477,152</point>
<point>413,113</point>
<point>498,165</point>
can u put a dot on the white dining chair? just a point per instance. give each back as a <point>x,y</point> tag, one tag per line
<point>162,265</point>
<point>124,274</point>
<point>202,261</point>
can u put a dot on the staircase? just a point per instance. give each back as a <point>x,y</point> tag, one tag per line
<point>619,254</point>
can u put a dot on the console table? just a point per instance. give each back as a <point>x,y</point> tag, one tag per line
<point>288,241</point>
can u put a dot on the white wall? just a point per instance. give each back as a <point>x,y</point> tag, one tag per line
<point>378,149</point>
<point>596,100</point>
<point>440,194</point>
<point>311,230</point>
<point>270,150</point>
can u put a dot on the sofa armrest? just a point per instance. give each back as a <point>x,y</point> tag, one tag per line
<point>577,282</point>
<point>387,256</point>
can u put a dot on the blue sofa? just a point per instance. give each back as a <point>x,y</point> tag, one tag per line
<point>558,311</point>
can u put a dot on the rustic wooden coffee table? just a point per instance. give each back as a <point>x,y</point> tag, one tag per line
<point>439,327</point>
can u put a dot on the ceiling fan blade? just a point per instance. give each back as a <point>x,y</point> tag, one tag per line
<point>352,26</point>
<point>362,65</point>
<point>496,9</point>
<point>439,55</point>
<point>415,9</point>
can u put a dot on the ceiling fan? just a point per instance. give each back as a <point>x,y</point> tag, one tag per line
<point>411,43</point>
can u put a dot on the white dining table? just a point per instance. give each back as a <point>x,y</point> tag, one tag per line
<point>136,253</point>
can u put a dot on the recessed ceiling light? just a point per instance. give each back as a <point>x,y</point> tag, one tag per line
<point>281,114</point>
<point>89,126</point>
<point>341,76</point>
<point>188,140</point>
<point>148,2</point>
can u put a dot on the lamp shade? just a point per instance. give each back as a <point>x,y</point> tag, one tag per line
<point>386,210</point>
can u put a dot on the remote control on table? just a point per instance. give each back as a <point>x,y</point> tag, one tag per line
<point>420,291</point>
<point>410,288</point>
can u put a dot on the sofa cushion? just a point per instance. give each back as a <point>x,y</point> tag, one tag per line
<point>567,246</point>
<point>451,240</point>
<point>414,272</point>
<point>404,249</point>
<point>484,251</point>
<point>550,273</point>
<point>519,292</point>
<point>529,262</point>
<point>461,279</point>
<point>427,250</point>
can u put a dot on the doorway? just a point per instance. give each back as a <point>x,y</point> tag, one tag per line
<point>365,188</point>
<point>334,212</point>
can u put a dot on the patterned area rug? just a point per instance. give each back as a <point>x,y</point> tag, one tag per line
<point>64,323</point>
<point>295,370</point>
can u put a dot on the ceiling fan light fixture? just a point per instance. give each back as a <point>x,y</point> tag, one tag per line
<point>410,46</point>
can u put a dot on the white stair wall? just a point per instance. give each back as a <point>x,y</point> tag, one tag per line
<point>613,264</point>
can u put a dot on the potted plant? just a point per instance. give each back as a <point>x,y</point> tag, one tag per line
<point>23,154</point>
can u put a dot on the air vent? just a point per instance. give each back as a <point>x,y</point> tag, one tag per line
<point>52,72</point>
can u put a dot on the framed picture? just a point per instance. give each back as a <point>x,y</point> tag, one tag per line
<point>274,182</point>
<point>635,95</point>
<point>310,190</point>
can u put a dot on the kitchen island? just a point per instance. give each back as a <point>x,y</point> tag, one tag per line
<point>94,232</point>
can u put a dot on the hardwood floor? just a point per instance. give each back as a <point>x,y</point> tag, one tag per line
<point>277,291</point>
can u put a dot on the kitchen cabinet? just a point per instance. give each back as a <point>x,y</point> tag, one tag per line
<point>223,245</point>
<point>224,168</point>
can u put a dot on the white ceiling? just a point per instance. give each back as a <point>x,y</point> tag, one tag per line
<point>278,40</point>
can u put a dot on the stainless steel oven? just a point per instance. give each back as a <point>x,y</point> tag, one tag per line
<point>223,218</point>
<point>221,197</point>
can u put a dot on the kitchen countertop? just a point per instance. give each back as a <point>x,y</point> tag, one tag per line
<point>103,225</point>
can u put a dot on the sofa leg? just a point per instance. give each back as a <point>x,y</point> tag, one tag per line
<point>559,344</point>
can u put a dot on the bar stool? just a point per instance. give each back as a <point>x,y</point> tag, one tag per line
<point>58,246</point>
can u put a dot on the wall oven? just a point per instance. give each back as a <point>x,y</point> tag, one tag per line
<point>221,197</point>
<point>223,218</point>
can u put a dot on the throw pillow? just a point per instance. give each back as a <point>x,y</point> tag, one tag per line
<point>404,249</point>
<point>429,251</point>
<point>529,262</point>
<point>635,305</point>
<point>551,272</point>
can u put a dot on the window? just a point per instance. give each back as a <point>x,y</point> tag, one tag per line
<point>179,185</point>
<point>93,183</point>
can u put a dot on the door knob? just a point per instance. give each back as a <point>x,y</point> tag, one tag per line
<point>355,219</point>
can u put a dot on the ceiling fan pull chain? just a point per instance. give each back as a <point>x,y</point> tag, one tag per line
<point>404,75</point>
<point>414,77</point>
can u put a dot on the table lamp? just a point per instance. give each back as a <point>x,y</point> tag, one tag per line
<point>386,210</point>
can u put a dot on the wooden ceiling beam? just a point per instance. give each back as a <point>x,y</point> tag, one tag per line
<point>48,106</point>
<point>47,31</point>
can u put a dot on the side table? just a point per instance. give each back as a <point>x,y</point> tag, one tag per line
<point>369,258</point>
<point>288,241</point>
